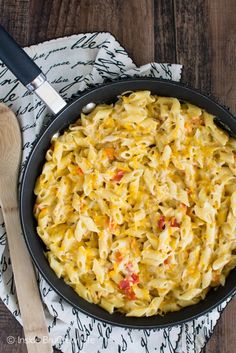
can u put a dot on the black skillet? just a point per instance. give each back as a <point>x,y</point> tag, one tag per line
<point>31,76</point>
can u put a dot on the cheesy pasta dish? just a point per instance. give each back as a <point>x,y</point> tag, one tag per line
<point>136,204</point>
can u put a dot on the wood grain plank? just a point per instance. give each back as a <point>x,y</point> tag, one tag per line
<point>222,29</point>
<point>132,22</point>
<point>164,29</point>
<point>223,60</point>
<point>193,42</point>
<point>15,17</point>
<point>9,326</point>
<point>206,46</point>
<point>127,20</point>
<point>223,339</point>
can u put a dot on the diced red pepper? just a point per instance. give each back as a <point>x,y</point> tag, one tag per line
<point>119,175</point>
<point>118,256</point>
<point>174,223</point>
<point>135,278</point>
<point>166,261</point>
<point>130,294</point>
<point>124,284</point>
<point>128,291</point>
<point>161,222</point>
<point>80,171</point>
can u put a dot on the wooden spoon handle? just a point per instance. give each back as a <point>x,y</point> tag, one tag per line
<point>34,323</point>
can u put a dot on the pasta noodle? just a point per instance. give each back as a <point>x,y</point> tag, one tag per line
<point>136,204</point>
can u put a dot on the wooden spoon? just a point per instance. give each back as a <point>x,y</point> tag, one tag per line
<point>34,323</point>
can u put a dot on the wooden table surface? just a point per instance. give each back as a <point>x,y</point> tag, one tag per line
<point>199,34</point>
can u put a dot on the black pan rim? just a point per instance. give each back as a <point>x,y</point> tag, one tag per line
<point>37,142</point>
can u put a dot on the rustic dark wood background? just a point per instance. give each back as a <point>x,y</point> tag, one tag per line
<point>199,34</point>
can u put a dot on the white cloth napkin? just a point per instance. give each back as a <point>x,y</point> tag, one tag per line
<point>72,64</point>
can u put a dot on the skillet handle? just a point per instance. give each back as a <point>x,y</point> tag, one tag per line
<point>27,72</point>
<point>16,59</point>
